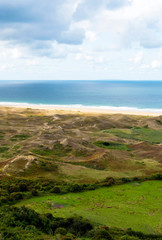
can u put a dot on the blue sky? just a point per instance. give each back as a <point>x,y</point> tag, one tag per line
<point>81,39</point>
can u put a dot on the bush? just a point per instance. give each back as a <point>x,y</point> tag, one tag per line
<point>10,235</point>
<point>78,225</point>
<point>136,179</point>
<point>127,237</point>
<point>157,176</point>
<point>4,200</point>
<point>75,188</point>
<point>68,236</point>
<point>126,180</point>
<point>109,181</point>
<point>49,216</point>
<point>16,196</point>
<point>56,190</point>
<point>23,187</point>
<point>34,192</point>
<point>24,216</point>
<point>102,234</point>
<point>13,188</point>
<point>91,187</point>
<point>61,231</point>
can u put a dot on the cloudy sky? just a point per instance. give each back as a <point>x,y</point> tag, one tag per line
<point>81,39</point>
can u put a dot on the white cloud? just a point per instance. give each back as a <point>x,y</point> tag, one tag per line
<point>91,34</point>
<point>3,67</point>
<point>16,53</point>
<point>32,62</point>
<point>78,56</point>
<point>145,66</point>
<point>139,23</point>
<point>138,57</point>
<point>156,64</point>
<point>89,58</point>
<point>7,67</point>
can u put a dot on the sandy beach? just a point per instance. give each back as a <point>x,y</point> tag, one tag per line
<point>83,109</point>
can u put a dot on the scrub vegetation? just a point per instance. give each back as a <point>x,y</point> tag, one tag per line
<point>79,176</point>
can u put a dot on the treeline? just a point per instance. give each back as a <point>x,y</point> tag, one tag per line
<point>24,224</point>
<point>14,189</point>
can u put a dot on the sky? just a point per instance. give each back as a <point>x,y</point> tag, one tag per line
<point>80,39</point>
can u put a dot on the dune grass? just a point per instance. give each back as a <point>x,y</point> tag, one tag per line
<point>58,150</point>
<point>3,149</point>
<point>20,137</point>
<point>133,205</point>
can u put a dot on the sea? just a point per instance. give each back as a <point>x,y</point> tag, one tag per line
<point>102,94</point>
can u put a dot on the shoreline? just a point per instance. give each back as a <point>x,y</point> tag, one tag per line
<point>85,109</point>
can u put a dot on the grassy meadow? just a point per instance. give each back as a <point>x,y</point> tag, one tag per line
<point>139,134</point>
<point>133,205</point>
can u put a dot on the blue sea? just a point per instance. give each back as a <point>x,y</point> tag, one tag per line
<point>104,94</point>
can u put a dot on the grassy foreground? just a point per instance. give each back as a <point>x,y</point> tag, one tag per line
<point>133,205</point>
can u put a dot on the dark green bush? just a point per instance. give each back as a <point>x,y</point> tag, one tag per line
<point>23,187</point>
<point>16,196</point>
<point>126,180</point>
<point>69,236</point>
<point>102,234</point>
<point>34,192</point>
<point>109,181</point>
<point>157,176</point>
<point>61,231</point>
<point>78,225</point>
<point>75,188</point>
<point>56,189</point>
<point>4,200</point>
<point>13,188</point>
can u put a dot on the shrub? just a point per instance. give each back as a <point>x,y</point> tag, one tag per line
<point>24,216</point>
<point>78,225</point>
<point>23,187</point>
<point>102,234</point>
<point>91,187</point>
<point>34,192</point>
<point>13,188</point>
<point>127,237</point>
<point>75,188</point>
<point>68,236</point>
<point>126,180</point>
<point>61,231</point>
<point>16,196</point>
<point>136,179</point>
<point>4,200</point>
<point>49,216</point>
<point>110,181</point>
<point>56,189</point>
<point>7,234</point>
<point>157,176</point>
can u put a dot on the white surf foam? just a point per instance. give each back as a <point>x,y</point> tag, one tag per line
<point>80,106</point>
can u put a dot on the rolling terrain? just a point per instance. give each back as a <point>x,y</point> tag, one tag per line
<point>82,147</point>
<point>104,168</point>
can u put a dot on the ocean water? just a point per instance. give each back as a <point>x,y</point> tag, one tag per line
<point>128,95</point>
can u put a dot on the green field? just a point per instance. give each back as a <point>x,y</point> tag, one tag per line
<point>133,205</point>
<point>136,133</point>
<point>113,145</point>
